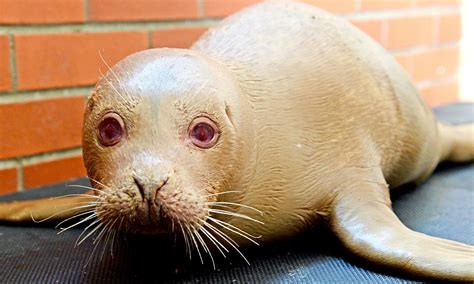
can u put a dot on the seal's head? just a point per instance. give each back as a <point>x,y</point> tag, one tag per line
<point>162,140</point>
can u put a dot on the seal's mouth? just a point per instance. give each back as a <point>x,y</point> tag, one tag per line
<point>197,219</point>
<point>156,209</point>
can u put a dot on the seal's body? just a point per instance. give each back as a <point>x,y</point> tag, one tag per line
<point>283,110</point>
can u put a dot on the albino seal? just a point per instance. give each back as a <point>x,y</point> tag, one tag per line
<point>280,117</point>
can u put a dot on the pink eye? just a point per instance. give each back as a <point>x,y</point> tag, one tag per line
<point>203,132</point>
<point>111,129</point>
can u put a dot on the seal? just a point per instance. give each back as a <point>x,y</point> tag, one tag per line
<point>280,117</point>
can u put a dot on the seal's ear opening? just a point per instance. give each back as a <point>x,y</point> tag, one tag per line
<point>229,115</point>
<point>91,102</point>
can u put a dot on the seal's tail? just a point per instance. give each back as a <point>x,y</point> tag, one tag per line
<point>457,141</point>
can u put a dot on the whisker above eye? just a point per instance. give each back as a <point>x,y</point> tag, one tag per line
<point>113,73</point>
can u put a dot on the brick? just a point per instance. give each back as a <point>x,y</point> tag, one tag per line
<point>424,3</point>
<point>406,61</point>
<point>435,64</point>
<point>63,60</point>
<point>440,94</point>
<point>371,27</point>
<point>410,32</point>
<point>41,11</point>
<point>5,77</point>
<point>449,28</point>
<point>40,126</point>
<point>385,4</point>
<point>334,6</point>
<point>142,10</point>
<point>219,8</point>
<point>54,171</point>
<point>8,180</point>
<point>177,38</point>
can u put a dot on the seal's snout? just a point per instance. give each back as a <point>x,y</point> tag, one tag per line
<point>148,187</point>
<point>150,174</point>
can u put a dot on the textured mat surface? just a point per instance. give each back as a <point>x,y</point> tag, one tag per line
<point>443,206</point>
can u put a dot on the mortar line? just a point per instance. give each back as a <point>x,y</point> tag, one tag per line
<point>423,48</point>
<point>42,157</point>
<point>20,176</point>
<point>437,82</point>
<point>437,27</point>
<point>200,7</point>
<point>358,6</point>
<point>105,26</point>
<point>13,70</point>
<point>27,96</point>
<point>150,39</point>
<point>86,10</point>
<point>403,13</point>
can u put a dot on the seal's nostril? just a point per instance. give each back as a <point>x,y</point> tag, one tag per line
<point>140,188</point>
<point>163,184</point>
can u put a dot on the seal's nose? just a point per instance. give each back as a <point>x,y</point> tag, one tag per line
<point>149,187</point>
<point>150,174</point>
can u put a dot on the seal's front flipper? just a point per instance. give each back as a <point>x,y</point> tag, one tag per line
<point>365,223</point>
<point>48,209</point>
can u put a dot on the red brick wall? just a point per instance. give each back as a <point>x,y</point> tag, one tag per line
<point>49,61</point>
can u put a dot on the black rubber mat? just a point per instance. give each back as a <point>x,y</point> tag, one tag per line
<point>443,206</point>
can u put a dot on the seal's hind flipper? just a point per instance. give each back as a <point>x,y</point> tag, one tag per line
<point>48,209</point>
<point>365,223</point>
<point>457,142</point>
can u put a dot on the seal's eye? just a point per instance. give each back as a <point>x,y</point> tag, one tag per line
<point>111,129</point>
<point>203,132</point>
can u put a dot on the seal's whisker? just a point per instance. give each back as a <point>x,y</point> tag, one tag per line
<point>74,195</point>
<point>110,230</point>
<point>112,243</point>
<point>206,248</point>
<point>216,242</point>
<point>228,240</point>
<point>239,215</point>
<point>222,206</point>
<point>113,73</point>
<point>79,242</point>
<point>236,230</point>
<point>101,233</point>
<point>111,85</point>
<point>85,187</point>
<point>188,250</point>
<point>99,236</point>
<point>92,211</point>
<point>225,192</point>
<point>191,235</point>
<point>221,234</point>
<point>102,184</point>
<point>116,233</point>
<point>60,212</point>
<point>93,215</point>
<point>235,204</point>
